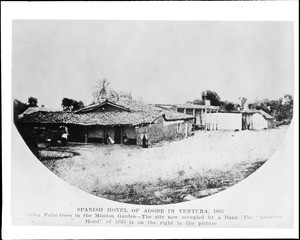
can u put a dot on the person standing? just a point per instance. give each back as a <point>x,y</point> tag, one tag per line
<point>145,141</point>
<point>125,139</point>
<point>64,138</point>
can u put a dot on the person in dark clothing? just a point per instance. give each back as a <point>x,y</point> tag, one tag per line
<point>145,141</point>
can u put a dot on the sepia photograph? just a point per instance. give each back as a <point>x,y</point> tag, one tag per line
<point>152,112</point>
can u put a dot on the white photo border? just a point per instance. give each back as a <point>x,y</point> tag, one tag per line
<point>217,11</point>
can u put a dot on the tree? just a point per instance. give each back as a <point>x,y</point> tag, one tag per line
<point>19,108</point>
<point>104,92</point>
<point>229,106</point>
<point>70,105</point>
<point>66,104</point>
<point>243,102</point>
<point>114,95</point>
<point>77,105</point>
<point>214,98</point>
<point>32,102</point>
<point>285,108</point>
<point>281,109</point>
<point>101,90</point>
<point>125,95</point>
<point>199,101</point>
<point>251,106</point>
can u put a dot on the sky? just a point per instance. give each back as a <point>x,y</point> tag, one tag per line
<point>158,61</point>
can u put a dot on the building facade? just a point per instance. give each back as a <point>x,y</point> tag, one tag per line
<point>119,122</point>
<point>202,113</point>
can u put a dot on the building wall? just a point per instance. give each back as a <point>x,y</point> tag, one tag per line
<point>271,124</point>
<point>96,134</point>
<point>161,131</point>
<point>259,122</point>
<point>226,121</point>
<point>130,132</point>
<point>211,121</point>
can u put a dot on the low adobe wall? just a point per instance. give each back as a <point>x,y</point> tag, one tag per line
<point>163,130</point>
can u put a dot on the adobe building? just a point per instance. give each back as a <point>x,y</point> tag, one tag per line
<point>113,120</point>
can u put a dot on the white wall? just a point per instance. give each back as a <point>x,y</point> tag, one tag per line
<point>211,120</point>
<point>227,121</point>
<point>259,122</point>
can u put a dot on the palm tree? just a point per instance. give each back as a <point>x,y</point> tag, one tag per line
<point>243,102</point>
<point>101,90</point>
<point>114,95</point>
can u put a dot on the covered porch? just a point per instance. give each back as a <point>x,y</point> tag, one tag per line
<point>202,113</point>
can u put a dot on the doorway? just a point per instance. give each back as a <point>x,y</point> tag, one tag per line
<point>117,131</point>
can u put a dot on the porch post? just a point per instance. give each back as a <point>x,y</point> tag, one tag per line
<point>122,135</point>
<point>86,136</point>
<point>211,126</point>
<point>217,121</point>
<point>186,129</point>
<point>103,135</point>
<point>194,114</point>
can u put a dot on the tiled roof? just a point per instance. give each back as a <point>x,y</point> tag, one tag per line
<point>171,115</point>
<point>263,113</point>
<point>31,110</point>
<point>87,119</point>
<point>129,105</point>
<point>134,114</point>
<point>266,115</point>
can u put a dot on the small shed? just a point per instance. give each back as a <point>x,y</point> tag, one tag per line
<point>270,120</point>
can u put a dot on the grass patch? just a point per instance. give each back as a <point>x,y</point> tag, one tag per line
<point>175,191</point>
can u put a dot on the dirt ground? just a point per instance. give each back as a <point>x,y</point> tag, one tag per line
<point>176,171</point>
